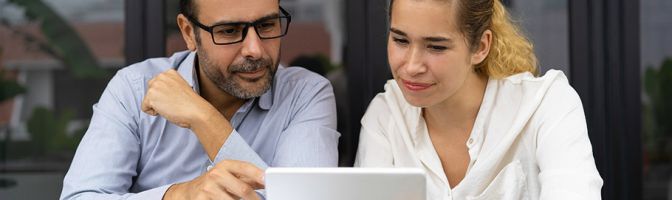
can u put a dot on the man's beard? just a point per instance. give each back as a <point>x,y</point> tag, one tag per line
<point>227,82</point>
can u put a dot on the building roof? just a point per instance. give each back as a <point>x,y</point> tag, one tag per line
<point>106,40</point>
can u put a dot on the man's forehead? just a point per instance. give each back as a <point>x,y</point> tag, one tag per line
<point>235,10</point>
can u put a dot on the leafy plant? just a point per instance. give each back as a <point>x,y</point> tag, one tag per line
<point>317,63</point>
<point>61,41</point>
<point>657,111</point>
<point>9,88</point>
<point>48,131</point>
<point>64,43</point>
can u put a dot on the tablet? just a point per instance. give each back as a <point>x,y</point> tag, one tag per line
<point>345,183</point>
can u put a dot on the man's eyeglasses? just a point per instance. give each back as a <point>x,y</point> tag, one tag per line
<point>231,33</point>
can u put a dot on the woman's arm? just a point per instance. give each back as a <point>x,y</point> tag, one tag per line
<point>565,158</point>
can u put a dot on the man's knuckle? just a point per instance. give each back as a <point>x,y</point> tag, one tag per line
<point>212,175</point>
<point>225,163</point>
<point>209,191</point>
<point>244,189</point>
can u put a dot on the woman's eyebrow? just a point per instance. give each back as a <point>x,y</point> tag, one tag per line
<point>397,31</point>
<point>428,39</point>
<point>438,39</point>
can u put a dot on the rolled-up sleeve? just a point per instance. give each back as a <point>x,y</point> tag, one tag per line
<point>235,148</point>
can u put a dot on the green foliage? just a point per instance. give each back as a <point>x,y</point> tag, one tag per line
<point>48,131</point>
<point>657,111</point>
<point>64,42</point>
<point>326,62</point>
<point>9,88</point>
<point>317,63</point>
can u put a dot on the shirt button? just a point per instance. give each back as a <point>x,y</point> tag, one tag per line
<point>471,141</point>
<point>208,168</point>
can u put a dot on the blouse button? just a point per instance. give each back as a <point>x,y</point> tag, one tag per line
<point>471,141</point>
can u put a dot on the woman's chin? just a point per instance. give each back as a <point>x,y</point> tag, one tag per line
<point>417,101</point>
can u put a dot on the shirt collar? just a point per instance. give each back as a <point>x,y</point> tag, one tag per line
<point>186,68</point>
<point>266,99</point>
<point>412,115</point>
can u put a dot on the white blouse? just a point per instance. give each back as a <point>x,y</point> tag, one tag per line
<point>529,141</point>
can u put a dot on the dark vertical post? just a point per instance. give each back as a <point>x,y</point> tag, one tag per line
<point>366,60</point>
<point>605,71</point>
<point>144,30</point>
<point>134,24</point>
<point>155,28</point>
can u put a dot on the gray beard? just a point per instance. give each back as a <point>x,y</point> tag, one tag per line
<point>228,83</point>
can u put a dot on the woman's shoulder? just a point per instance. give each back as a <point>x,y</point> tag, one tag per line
<point>527,78</point>
<point>544,98</point>
<point>553,87</point>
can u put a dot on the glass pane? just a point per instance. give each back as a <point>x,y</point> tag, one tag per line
<point>56,57</point>
<point>545,23</point>
<point>656,53</point>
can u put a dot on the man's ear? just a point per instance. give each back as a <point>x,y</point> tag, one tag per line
<point>187,31</point>
<point>483,48</point>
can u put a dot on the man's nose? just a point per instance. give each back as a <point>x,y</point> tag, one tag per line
<point>252,48</point>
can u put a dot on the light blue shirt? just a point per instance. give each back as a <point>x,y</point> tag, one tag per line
<point>127,154</point>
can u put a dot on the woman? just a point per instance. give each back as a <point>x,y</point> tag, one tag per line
<point>465,106</point>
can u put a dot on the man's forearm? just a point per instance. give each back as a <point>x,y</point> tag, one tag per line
<point>212,130</point>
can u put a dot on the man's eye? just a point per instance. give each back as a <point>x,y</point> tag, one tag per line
<point>266,26</point>
<point>228,31</point>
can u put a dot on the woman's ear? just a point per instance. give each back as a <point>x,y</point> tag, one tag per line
<point>483,48</point>
<point>187,31</point>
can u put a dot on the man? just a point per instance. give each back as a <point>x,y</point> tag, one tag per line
<point>204,124</point>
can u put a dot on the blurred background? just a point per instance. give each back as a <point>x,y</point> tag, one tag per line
<point>56,57</point>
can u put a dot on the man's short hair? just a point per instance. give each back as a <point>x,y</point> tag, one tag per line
<point>188,8</point>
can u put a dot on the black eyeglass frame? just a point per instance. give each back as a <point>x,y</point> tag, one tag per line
<point>246,27</point>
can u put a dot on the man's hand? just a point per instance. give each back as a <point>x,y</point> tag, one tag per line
<point>170,96</point>
<point>229,179</point>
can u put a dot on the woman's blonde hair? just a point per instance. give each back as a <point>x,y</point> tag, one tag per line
<point>510,51</point>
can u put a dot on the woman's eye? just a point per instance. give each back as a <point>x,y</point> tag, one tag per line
<point>437,47</point>
<point>400,41</point>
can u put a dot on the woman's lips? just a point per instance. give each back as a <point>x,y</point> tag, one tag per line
<point>414,86</point>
